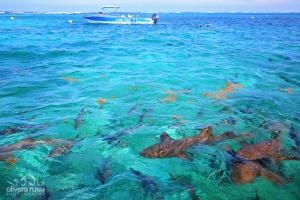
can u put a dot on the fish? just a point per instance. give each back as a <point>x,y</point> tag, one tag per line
<point>133,109</point>
<point>171,97</point>
<point>79,119</point>
<point>288,80</point>
<point>184,91</point>
<point>274,126</point>
<point>178,124</point>
<point>115,138</point>
<point>19,129</point>
<point>3,157</point>
<point>61,146</point>
<point>144,114</point>
<point>104,173</point>
<point>190,188</point>
<point>149,185</point>
<point>71,79</point>
<point>294,135</point>
<point>193,194</point>
<point>229,121</point>
<point>60,150</point>
<point>288,90</point>
<point>12,160</point>
<point>225,109</point>
<point>223,94</point>
<point>271,149</point>
<point>246,172</point>
<point>11,130</point>
<point>247,110</point>
<point>257,196</point>
<point>28,143</point>
<point>102,101</point>
<point>47,194</point>
<point>169,147</point>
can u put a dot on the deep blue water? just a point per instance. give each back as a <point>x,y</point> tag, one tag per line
<point>50,70</point>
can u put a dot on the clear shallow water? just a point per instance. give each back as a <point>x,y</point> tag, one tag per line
<point>50,70</point>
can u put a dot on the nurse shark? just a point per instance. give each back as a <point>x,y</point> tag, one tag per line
<point>169,147</point>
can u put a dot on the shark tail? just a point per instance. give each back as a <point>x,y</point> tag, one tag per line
<point>275,178</point>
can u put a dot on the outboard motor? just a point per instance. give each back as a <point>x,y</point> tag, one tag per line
<point>155,18</point>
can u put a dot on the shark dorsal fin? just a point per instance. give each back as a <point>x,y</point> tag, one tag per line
<point>165,138</point>
<point>205,135</point>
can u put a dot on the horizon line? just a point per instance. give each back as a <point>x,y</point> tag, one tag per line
<point>206,12</point>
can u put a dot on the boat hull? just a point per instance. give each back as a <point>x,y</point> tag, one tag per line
<point>118,20</point>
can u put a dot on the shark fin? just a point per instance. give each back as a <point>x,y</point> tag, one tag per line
<point>205,135</point>
<point>183,155</point>
<point>165,137</point>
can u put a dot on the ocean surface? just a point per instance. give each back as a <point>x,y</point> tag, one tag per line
<point>111,91</point>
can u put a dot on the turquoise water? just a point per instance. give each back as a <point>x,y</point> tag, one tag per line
<point>50,70</point>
